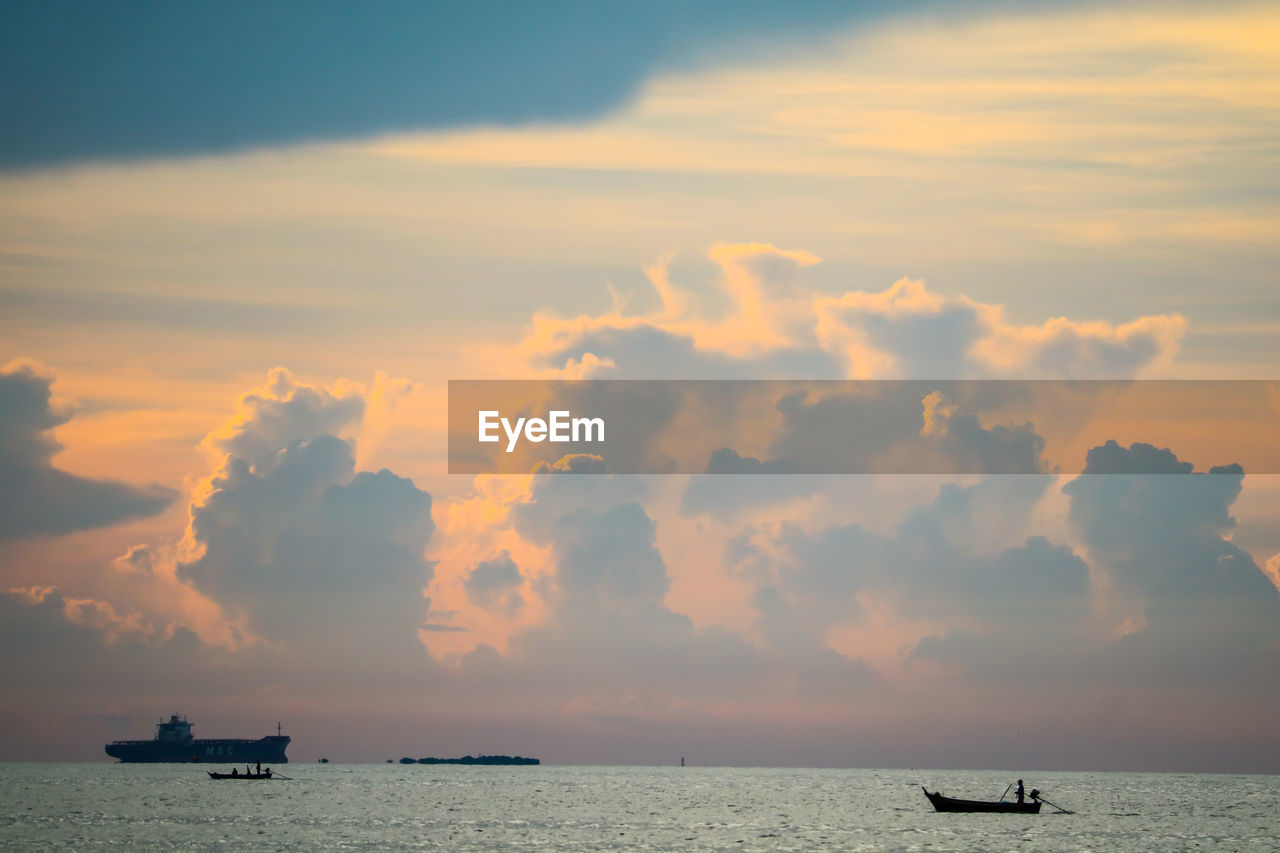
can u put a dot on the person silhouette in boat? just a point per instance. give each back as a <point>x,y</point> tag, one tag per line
<point>235,771</point>
<point>259,766</point>
<point>1021,793</point>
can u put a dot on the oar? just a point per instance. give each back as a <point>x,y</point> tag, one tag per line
<point>291,779</point>
<point>1060,809</point>
<point>1006,790</point>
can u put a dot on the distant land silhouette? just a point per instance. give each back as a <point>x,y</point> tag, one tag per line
<point>473,759</point>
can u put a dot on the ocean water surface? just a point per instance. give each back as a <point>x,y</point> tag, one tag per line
<point>103,806</point>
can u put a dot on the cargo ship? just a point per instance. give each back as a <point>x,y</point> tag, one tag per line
<point>174,744</point>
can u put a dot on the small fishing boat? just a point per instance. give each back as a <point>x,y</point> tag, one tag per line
<point>266,774</point>
<point>950,804</point>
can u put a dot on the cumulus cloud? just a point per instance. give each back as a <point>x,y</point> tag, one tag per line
<point>92,613</point>
<point>902,428</point>
<point>722,494</point>
<point>287,543</point>
<point>35,497</point>
<point>1157,594</point>
<point>494,584</point>
<point>958,557</point>
<point>89,645</point>
<point>610,628</point>
<point>894,430</point>
<point>1204,611</point>
<point>777,328</point>
<point>908,331</point>
<point>290,534</point>
<point>1161,526</point>
<point>595,628</point>
<point>281,412</point>
<point>553,494</point>
<point>1272,570</point>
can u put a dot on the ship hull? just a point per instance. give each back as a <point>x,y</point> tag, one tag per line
<point>221,750</point>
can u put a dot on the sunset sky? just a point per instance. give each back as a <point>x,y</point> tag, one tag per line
<point>244,247</point>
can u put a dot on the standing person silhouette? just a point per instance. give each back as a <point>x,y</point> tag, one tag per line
<point>1020,792</point>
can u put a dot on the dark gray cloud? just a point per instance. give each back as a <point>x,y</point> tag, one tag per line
<point>37,498</point>
<point>946,561</point>
<point>63,647</point>
<point>282,412</point>
<point>1162,533</point>
<point>310,549</point>
<point>287,536</point>
<point>897,427</point>
<point>961,559</point>
<point>909,427</point>
<point>323,562</point>
<point>610,619</point>
<point>556,495</point>
<point>1200,612</point>
<point>726,496</point>
<point>494,584</point>
<point>648,351</point>
<point>150,78</point>
<point>610,631</point>
<point>958,337</point>
<point>795,627</point>
<point>609,561</point>
<point>1162,528</point>
<point>1138,458</point>
<point>81,680</point>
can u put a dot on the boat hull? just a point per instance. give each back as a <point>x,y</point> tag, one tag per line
<point>244,777</point>
<point>269,749</point>
<point>950,804</point>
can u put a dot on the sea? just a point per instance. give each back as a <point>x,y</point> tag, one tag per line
<point>89,807</point>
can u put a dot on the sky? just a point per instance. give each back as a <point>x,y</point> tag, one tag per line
<point>244,248</point>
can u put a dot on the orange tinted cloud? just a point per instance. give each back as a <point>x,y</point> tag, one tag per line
<point>778,324</point>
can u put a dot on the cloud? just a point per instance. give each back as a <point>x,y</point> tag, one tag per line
<point>609,627</point>
<point>296,570</point>
<point>1163,529</point>
<point>1174,604</point>
<point>87,645</point>
<point>776,327</point>
<point>895,431</point>
<point>1207,613</point>
<point>720,493</point>
<point>960,555</point>
<point>494,583</point>
<point>906,332</point>
<point>1272,570</point>
<point>287,544</point>
<point>109,83</point>
<point>557,491</point>
<point>281,412</point>
<point>91,613</point>
<point>595,629</point>
<point>289,533</point>
<point>35,497</point>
